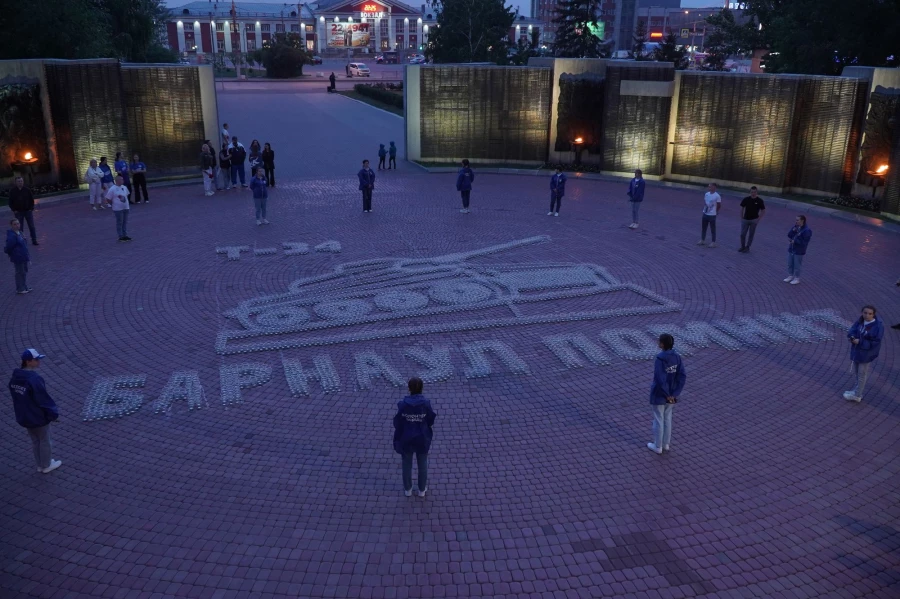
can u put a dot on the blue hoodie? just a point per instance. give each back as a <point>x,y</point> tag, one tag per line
<point>668,377</point>
<point>413,425</point>
<point>33,405</point>
<point>381,151</point>
<point>558,184</point>
<point>464,179</point>
<point>258,187</point>
<point>869,336</point>
<point>636,189</point>
<point>799,240</point>
<point>393,150</point>
<point>16,247</point>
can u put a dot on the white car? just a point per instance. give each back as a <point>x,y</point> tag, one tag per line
<point>417,59</point>
<point>358,69</point>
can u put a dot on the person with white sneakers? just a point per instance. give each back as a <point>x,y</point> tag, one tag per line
<point>712,205</point>
<point>636,196</point>
<point>865,342</point>
<point>668,382</point>
<point>557,191</point>
<point>94,178</point>
<point>260,195</point>
<point>413,432</point>
<point>208,165</point>
<point>118,196</point>
<point>34,408</point>
<point>800,234</point>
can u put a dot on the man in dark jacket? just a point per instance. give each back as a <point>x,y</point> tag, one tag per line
<point>799,235</point>
<point>34,408</point>
<point>366,178</point>
<point>331,80</point>
<point>557,191</point>
<point>464,179</point>
<point>413,432</point>
<point>392,156</point>
<point>668,382</point>
<point>21,202</point>
<point>238,156</point>
<point>17,250</point>
<point>636,196</point>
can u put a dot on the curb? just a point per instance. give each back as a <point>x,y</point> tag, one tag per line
<point>399,116</point>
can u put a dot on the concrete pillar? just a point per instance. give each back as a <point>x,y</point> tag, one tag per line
<point>198,37</point>
<point>321,27</point>
<point>228,36</point>
<point>180,37</point>
<point>405,33</point>
<point>258,35</point>
<point>419,41</point>
<point>243,37</point>
<point>412,112</point>
<point>392,30</point>
<point>377,35</point>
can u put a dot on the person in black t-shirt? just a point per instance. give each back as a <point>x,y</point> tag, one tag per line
<point>752,209</point>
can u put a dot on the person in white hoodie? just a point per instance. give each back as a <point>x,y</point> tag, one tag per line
<point>93,178</point>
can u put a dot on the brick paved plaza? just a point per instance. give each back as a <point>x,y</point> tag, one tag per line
<point>541,484</point>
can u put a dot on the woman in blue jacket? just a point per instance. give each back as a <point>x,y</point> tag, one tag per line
<point>17,249</point>
<point>668,382</point>
<point>413,431</point>
<point>464,179</point>
<point>865,341</point>
<point>799,235</point>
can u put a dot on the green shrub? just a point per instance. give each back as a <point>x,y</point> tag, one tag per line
<point>382,95</point>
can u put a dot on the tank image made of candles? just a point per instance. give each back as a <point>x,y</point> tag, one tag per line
<point>400,297</point>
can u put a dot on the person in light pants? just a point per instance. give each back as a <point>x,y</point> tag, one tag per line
<point>668,382</point>
<point>865,342</point>
<point>34,408</point>
<point>94,178</point>
<point>207,164</point>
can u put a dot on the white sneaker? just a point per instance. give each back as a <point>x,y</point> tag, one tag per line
<point>631,226</point>
<point>853,398</point>
<point>550,213</point>
<point>94,208</point>
<point>54,464</point>
<point>666,448</point>
<point>556,214</point>
<point>796,281</point>
<point>463,210</point>
<point>701,242</point>
<point>265,222</point>
<point>713,244</point>
<point>422,492</point>
<point>408,492</point>
<point>635,226</point>
<point>652,447</point>
<point>788,278</point>
<point>258,222</point>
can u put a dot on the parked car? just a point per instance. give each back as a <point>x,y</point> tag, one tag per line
<point>417,59</point>
<point>379,59</point>
<point>359,69</point>
<point>389,57</point>
<point>184,61</point>
<point>317,60</point>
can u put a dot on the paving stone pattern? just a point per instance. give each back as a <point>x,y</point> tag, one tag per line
<point>271,473</point>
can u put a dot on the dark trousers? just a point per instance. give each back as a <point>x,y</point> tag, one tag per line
<point>238,170</point>
<point>270,175</point>
<point>367,198</point>
<point>27,217</point>
<point>392,162</point>
<point>140,184</point>
<point>555,200</point>
<point>422,464</point>
<point>380,162</point>
<point>748,225</point>
<point>465,197</point>
<point>708,221</point>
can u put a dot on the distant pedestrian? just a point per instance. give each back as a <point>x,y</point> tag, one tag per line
<point>17,249</point>
<point>636,196</point>
<point>207,164</point>
<point>712,205</point>
<point>223,180</point>
<point>800,234</point>
<point>255,157</point>
<point>392,156</point>
<point>464,179</point>
<point>21,202</point>
<point>260,196</point>
<point>93,177</point>
<point>865,342</point>
<point>366,178</point>
<point>752,210</point>
<point>34,408</point>
<point>238,156</point>
<point>332,79</point>
<point>121,168</point>
<point>413,432</point>
<point>139,180</point>
<point>557,191</point>
<point>268,160</point>
<point>668,382</point>
<point>896,326</point>
<point>382,154</point>
<point>118,195</point>
<point>347,69</point>
<point>108,179</point>
<point>226,135</point>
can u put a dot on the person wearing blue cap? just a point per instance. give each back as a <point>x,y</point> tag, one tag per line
<point>34,408</point>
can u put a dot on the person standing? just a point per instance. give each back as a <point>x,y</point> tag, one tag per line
<point>17,249</point>
<point>668,382</point>
<point>896,326</point>
<point>93,177</point>
<point>557,191</point>
<point>238,156</point>
<point>712,205</point>
<point>224,178</point>
<point>121,168</point>
<point>799,235</point>
<point>255,157</point>
<point>118,195</point>
<point>268,160</point>
<point>752,209</point>
<point>392,156</point>
<point>139,174</point>
<point>332,79</point>
<point>382,154</point>
<point>34,408</point>
<point>108,180</point>
<point>636,196</point>
<point>366,178</point>
<point>226,135</point>
<point>865,342</point>
<point>260,195</point>
<point>413,433</point>
<point>207,164</point>
<point>21,202</point>
<point>464,179</point>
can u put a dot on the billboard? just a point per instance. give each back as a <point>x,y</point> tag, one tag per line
<point>342,35</point>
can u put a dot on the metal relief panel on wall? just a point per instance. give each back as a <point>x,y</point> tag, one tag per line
<point>485,112</point>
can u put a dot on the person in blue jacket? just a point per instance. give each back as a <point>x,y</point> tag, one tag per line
<point>34,408</point>
<point>121,166</point>
<point>865,342</point>
<point>464,179</point>
<point>636,196</point>
<point>382,154</point>
<point>392,156</point>
<point>800,234</point>
<point>107,180</point>
<point>413,432</point>
<point>17,249</point>
<point>668,382</point>
<point>366,178</point>
<point>557,191</point>
<point>260,190</point>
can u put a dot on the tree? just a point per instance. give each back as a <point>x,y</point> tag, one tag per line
<point>639,40</point>
<point>53,29</point>
<point>283,56</point>
<point>470,31</point>
<point>669,51</point>
<point>717,51</point>
<point>577,30</point>
<point>134,27</point>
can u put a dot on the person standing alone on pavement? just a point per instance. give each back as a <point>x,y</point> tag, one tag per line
<point>207,167</point>
<point>392,156</point>
<point>464,179</point>
<point>799,235</point>
<point>268,160</point>
<point>93,177</point>
<point>118,195</point>
<point>260,196</point>
<point>668,382</point>
<point>17,249</point>
<point>34,408</point>
<point>413,433</point>
<point>382,154</point>
<point>636,196</point>
<point>752,210</point>
<point>865,342</point>
<point>712,205</point>
<point>366,178</point>
<point>331,79</point>
<point>21,202</point>
<point>139,181</point>
<point>557,191</point>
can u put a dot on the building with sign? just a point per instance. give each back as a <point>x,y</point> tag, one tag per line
<point>688,24</point>
<point>375,25</point>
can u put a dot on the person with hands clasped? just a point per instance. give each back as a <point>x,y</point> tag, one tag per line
<point>712,205</point>
<point>636,196</point>
<point>668,381</point>
<point>865,341</point>
<point>799,235</point>
<point>413,432</point>
<point>34,408</point>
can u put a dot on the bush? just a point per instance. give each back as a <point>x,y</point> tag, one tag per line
<point>379,93</point>
<point>869,204</point>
